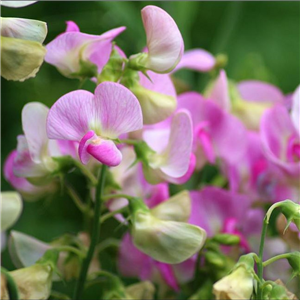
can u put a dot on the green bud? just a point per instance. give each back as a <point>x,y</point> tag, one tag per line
<point>294,261</point>
<point>112,71</point>
<point>226,239</point>
<point>277,291</point>
<point>291,211</point>
<point>216,259</point>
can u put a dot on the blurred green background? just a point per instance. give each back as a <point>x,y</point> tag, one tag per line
<point>261,40</point>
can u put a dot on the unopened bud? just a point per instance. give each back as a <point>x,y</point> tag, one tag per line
<point>294,261</point>
<point>226,239</point>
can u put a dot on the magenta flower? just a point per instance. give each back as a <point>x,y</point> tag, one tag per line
<point>164,42</point>
<point>217,134</point>
<point>77,54</point>
<point>95,120</point>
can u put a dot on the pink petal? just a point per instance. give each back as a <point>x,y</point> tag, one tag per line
<point>118,109</point>
<point>220,92</point>
<point>253,90</point>
<point>70,115</point>
<point>295,112</point>
<point>64,51</point>
<point>167,274</point>
<point>84,143</point>
<point>164,41</point>
<point>72,26</point>
<point>196,59</point>
<point>105,151</point>
<point>34,116</point>
<point>179,145</point>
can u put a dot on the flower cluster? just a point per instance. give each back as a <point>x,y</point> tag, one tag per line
<point>188,175</point>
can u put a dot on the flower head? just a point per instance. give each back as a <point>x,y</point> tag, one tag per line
<point>95,120</point>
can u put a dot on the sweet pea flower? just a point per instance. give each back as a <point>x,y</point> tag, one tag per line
<point>217,134</point>
<point>281,139</point>
<point>171,160</point>
<point>80,55</point>
<point>22,52</point>
<point>256,176</point>
<point>95,120</point>
<point>164,42</point>
<point>220,211</point>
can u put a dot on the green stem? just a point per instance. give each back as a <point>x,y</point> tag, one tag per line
<point>86,172</point>
<point>70,249</point>
<point>260,255</point>
<point>111,214</point>
<point>12,288</point>
<point>94,238</point>
<point>113,196</point>
<point>72,193</point>
<point>277,257</point>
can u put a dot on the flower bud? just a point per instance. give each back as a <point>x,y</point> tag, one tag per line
<point>294,261</point>
<point>165,241</point>
<point>237,285</point>
<point>142,290</point>
<point>156,107</point>
<point>291,211</point>
<point>227,239</point>
<point>33,282</point>
<point>11,208</point>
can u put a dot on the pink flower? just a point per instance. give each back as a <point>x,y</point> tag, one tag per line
<point>79,55</point>
<point>164,42</point>
<point>172,159</point>
<point>217,134</point>
<point>95,120</point>
<point>196,59</point>
<point>281,139</point>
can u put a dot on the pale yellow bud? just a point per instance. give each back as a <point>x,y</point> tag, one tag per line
<point>33,282</point>
<point>142,290</point>
<point>11,208</point>
<point>156,107</point>
<point>166,241</point>
<point>177,208</point>
<point>237,285</point>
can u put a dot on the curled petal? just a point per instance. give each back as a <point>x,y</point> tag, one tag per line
<point>72,26</point>
<point>24,29</point>
<point>196,59</point>
<point>164,41</point>
<point>117,109</point>
<point>82,149</point>
<point>69,117</point>
<point>253,90</point>
<point>295,112</point>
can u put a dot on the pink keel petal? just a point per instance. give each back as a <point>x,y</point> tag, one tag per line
<point>168,275</point>
<point>82,149</point>
<point>105,151</point>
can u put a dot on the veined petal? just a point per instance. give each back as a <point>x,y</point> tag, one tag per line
<point>16,4</point>
<point>20,59</point>
<point>176,157</point>
<point>295,112</point>
<point>196,59</point>
<point>117,109</point>
<point>24,29</point>
<point>34,116</point>
<point>69,117</point>
<point>219,93</point>
<point>105,151</point>
<point>164,41</point>
<point>254,90</point>
<point>11,208</point>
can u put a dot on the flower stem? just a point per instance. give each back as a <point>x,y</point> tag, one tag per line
<point>85,172</point>
<point>277,257</point>
<point>12,288</point>
<point>94,238</point>
<point>113,196</point>
<point>260,255</point>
